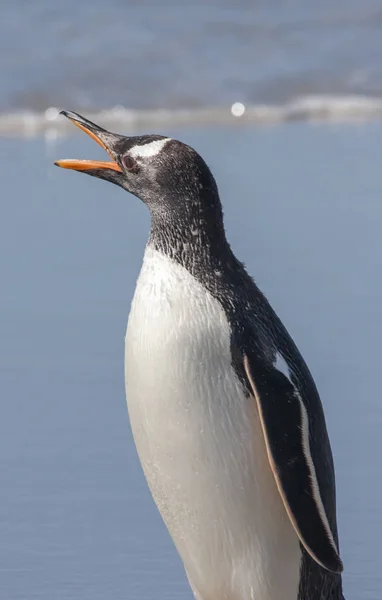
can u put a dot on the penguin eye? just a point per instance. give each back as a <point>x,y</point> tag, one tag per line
<point>129,163</point>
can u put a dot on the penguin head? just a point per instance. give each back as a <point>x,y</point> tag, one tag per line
<point>170,177</point>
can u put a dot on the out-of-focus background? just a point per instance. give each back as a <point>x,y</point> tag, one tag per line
<point>283,99</point>
<point>283,59</point>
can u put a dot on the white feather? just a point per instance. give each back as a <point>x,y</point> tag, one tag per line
<point>147,150</point>
<point>200,442</point>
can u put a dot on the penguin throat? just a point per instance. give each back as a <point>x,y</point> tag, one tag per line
<point>195,237</point>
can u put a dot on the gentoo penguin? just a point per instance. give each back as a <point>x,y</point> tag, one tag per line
<point>226,417</point>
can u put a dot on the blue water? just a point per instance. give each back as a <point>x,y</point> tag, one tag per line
<point>175,54</point>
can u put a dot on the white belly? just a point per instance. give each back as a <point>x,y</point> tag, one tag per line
<point>200,442</point>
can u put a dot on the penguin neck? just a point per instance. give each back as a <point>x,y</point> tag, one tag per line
<point>192,234</point>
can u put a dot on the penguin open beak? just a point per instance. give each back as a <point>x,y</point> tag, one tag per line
<point>99,135</point>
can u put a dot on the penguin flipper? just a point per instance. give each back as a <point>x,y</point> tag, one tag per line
<point>285,424</point>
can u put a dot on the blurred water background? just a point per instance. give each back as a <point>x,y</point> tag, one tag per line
<point>283,59</point>
<point>303,210</point>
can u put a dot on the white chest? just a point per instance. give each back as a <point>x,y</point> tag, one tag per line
<point>200,442</point>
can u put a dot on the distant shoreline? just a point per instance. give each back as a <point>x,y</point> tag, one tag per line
<point>320,108</point>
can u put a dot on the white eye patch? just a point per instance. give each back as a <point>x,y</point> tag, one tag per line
<point>150,149</point>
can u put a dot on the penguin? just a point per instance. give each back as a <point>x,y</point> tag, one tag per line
<point>226,417</point>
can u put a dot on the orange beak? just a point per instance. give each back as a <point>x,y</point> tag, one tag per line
<point>96,133</point>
